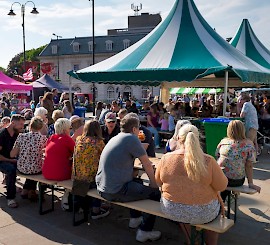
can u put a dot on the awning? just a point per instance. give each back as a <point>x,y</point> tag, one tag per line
<point>195,90</point>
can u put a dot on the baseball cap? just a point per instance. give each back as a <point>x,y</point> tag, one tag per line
<point>110,117</point>
<point>75,118</point>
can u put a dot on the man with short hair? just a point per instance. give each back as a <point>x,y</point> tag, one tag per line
<point>8,165</point>
<point>249,113</point>
<point>169,105</point>
<point>115,181</point>
<point>55,96</point>
<point>5,111</point>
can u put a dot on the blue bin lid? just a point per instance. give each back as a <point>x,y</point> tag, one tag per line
<point>216,120</point>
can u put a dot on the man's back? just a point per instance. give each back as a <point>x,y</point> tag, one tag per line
<point>117,161</point>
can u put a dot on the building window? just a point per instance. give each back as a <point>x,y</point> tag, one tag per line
<point>109,45</point>
<point>54,49</point>
<point>77,89</point>
<point>90,46</point>
<point>76,67</point>
<point>110,93</point>
<point>145,92</point>
<point>126,43</point>
<point>127,92</point>
<point>76,47</point>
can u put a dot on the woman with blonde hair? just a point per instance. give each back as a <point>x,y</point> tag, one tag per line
<point>55,116</point>
<point>67,109</point>
<point>28,148</point>
<point>172,144</point>
<point>43,113</point>
<point>236,154</point>
<point>190,182</point>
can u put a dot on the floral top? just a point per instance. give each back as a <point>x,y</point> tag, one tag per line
<point>233,155</point>
<point>86,158</point>
<point>31,147</point>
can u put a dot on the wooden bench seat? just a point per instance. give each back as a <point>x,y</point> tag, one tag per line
<point>219,225</point>
<point>235,191</point>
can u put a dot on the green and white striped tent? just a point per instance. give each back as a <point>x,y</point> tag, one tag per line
<point>195,90</point>
<point>183,47</point>
<point>247,42</point>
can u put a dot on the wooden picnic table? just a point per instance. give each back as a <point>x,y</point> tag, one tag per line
<point>139,166</point>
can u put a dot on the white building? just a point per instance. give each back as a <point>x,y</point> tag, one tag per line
<point>76,53</point>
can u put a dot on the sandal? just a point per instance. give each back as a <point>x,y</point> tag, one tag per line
<point>12,203</point>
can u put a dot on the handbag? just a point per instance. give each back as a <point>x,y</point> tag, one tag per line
<point>79,187</point>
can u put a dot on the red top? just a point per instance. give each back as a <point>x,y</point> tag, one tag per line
<point>58,153</point>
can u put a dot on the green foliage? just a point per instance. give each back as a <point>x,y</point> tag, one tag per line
<point>2,69</point>
<point>16,64</point>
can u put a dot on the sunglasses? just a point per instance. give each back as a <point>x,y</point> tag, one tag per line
<point>111,122</point>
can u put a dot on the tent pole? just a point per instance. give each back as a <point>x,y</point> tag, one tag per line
<point>225,92</point>
<point>69,90</point>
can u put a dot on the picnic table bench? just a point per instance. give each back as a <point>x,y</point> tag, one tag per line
<point>235,192</point>
<point>219,225</point>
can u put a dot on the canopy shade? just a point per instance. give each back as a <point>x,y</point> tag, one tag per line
<point>195,90</point>
<point>47,82</point>
<point>183,47</point>
<point>247,42</point>
<point>8,84</point>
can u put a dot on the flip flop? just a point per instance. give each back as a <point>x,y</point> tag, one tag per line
<point>12,203</point>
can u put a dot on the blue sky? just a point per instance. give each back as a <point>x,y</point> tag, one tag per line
<point>69,18</point>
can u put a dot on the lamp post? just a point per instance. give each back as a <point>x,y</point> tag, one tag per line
<point>57,38</point>
<point>11,13</point>
<point>93,52</point>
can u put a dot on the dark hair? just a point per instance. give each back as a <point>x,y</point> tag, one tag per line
<point>17,117</point>
<point>128,123</point>
<point>99,105</point>
<point>48,96</point>
<point>154,107</point>
<point>92,129</point>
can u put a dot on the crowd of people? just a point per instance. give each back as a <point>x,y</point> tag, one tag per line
<point>100,154</point>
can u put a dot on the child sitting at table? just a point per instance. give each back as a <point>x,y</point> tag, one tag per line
<point>164,121</point>
<point>172,119</point>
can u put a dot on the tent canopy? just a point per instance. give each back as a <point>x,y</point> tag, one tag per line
<point>8,84</point>
<point>247,42</point>
<point>195,90</point>
<point>183,47</point>
<point>47,82</point>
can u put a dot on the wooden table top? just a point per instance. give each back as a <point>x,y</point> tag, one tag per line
<point>138,165</point>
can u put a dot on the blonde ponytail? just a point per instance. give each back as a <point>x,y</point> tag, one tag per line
<point>194,160</point>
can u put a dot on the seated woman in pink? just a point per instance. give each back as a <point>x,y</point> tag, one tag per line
<point>58,152</point>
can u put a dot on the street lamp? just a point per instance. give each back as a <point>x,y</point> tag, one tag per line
<point>11,13</point>
<point>93,51</point>
<point>57,37</point>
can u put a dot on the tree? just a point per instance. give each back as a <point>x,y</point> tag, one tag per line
<point>2,69</point>
<point>16,65</point>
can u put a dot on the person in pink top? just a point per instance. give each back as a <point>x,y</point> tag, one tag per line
<point>58,152</point>
<point>190,183</point>
<point>164,121</point>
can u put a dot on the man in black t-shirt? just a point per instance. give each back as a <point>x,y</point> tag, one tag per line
<point>8,166</point>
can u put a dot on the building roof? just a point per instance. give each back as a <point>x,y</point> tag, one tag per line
<point>66,45</point>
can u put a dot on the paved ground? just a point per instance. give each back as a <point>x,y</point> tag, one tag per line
<point>25,226</point>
